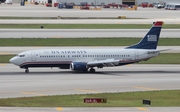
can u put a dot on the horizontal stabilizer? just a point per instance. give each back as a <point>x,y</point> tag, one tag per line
<point>158,51</point>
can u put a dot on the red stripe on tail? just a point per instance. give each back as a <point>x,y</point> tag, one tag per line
<point>158,23</point>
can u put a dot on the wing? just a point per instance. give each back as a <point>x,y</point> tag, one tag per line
<point>103,63</point>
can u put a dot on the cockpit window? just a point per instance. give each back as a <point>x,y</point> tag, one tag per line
<point>21,55</point>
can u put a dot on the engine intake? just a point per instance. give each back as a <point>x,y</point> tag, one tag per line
<point>78,66</point>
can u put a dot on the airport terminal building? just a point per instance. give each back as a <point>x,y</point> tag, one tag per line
<point>98,2</point>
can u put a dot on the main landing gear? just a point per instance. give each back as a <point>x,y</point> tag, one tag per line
<point>92,70</point>
<point>27,70</point>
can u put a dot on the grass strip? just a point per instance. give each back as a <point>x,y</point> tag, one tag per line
<point>81,41</point>
<point>5,58</point>
<point>166,98</point>
<point>163,58</point>
<point>87,26</point>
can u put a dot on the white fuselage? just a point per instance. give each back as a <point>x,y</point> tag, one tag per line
<point>56,57</point>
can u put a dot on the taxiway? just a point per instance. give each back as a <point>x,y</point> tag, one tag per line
<point>47,81</point>
<point>83,33</point>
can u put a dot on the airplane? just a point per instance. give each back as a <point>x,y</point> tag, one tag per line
<point>86,60</point>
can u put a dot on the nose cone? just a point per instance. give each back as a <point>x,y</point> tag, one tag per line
<point>13,61</point>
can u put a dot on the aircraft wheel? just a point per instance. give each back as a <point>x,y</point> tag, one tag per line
<point>27,71</point>
<point>92,70</point>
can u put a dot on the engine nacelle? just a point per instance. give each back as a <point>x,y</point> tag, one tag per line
<point>78,66</point>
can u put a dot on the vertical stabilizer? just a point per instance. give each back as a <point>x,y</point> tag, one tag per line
<point>151,39</point>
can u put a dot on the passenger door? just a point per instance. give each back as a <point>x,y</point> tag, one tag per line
<point>33,56</point>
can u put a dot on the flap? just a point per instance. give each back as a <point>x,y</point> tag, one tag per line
<point>106,63</point>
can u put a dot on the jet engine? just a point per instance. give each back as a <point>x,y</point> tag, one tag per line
<point>78,66</point>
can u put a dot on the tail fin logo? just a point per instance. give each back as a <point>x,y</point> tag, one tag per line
<point>152,38</point>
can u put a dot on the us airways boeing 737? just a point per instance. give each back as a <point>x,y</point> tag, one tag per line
<point>87,59</point>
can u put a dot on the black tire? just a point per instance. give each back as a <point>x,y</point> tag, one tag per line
<point>26,71</point>
<point>92,70</point>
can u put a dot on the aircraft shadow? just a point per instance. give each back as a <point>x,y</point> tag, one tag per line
<point>118,73</point>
